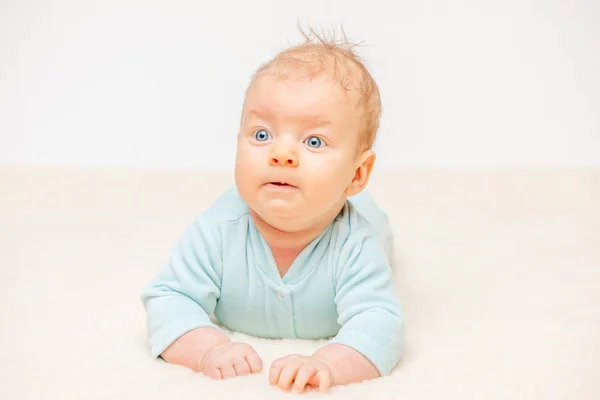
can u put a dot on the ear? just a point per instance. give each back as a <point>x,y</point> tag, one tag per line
<point>362,173</point>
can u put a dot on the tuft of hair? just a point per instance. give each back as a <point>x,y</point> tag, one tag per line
<point>335,56</point>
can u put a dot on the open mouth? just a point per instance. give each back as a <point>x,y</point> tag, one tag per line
<point>281,184</point>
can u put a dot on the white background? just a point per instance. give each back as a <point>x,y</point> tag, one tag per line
<point>160,84</point>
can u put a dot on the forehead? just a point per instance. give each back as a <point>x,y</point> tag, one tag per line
<point>316,96</point>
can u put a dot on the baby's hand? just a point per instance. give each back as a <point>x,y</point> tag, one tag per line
<point>300,371</point>
<point>231,359</point>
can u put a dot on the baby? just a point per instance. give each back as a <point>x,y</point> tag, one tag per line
<point>297,248</point>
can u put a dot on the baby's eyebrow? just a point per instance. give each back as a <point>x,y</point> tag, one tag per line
<point>304,120</point>
<point>314,121</point>
<point>262,114</point>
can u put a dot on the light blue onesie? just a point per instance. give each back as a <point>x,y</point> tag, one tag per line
<point>339,287</point>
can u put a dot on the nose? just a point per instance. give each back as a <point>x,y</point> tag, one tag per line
<point>284,157</point>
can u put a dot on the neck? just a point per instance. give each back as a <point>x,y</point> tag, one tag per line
<point>281,239</point>
<point>286,244</point>
<point>285,240</point>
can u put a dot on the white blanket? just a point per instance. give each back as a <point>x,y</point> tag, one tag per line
<point>499,273</point>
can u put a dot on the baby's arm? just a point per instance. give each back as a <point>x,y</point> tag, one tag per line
<point>369,344</point>
<point>178,304</point>
<point>347,365</point>
<point>185,292</point>
<point>190,349</point>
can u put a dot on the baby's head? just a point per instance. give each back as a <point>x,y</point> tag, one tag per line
<point>308,124</point>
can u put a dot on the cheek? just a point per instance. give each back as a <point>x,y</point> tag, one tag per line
<point>329,175</point>
<point>248,158</point>
<point>244,168</point>
<point>247,174</point>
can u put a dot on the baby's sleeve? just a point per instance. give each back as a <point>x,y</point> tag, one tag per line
<point>184,294</point>
<point>368,307</point>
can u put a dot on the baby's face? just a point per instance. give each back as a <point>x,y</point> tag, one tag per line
<point>296,151</point>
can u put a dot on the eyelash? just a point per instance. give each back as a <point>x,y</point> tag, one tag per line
<point>263,130</point>
<point>323,142</point>
<point>256,130</point>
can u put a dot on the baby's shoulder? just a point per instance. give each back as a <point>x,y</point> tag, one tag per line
<point>361,214</point>
<point>351,227</point>
<point>228,208</point>
<point>362,223</point>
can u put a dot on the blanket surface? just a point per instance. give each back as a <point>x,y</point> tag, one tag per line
<point>498,270</point>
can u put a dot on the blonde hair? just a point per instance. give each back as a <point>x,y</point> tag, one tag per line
<point>320,54</point>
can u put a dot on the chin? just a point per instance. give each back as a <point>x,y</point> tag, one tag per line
<point>277,208</point>
<point>276,213</point>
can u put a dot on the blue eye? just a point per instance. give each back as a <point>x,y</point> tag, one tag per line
<point>314,142</point>
<point>261,135</point>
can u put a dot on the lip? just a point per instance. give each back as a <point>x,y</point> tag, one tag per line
<point>280,185</point>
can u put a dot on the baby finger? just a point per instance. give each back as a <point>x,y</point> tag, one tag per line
<point>304,374</point>
<point>254,362</point>
<point>227,371</point>
<point>241,367</point>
